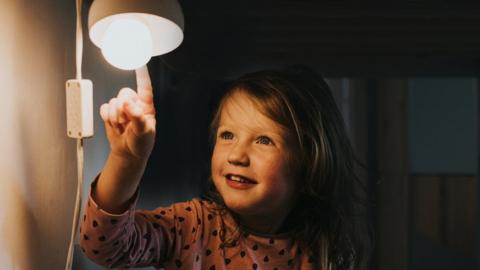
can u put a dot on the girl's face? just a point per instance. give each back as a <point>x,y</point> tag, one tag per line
<point>249,161</point>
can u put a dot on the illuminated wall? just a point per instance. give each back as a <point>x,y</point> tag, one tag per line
<point>37,160</point>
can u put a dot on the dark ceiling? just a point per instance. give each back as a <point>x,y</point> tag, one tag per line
<point>341,38</point>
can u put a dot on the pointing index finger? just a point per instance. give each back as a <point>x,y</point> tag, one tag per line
<point>144,85</point>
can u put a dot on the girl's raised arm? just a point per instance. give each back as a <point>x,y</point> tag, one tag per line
<point>129,122</point>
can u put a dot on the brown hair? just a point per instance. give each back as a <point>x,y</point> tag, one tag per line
<point>301,101</point>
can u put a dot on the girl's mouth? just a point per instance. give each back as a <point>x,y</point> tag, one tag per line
<point>239,182</point>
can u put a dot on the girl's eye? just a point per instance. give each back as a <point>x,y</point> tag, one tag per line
<point>264,140</point>
<point>226,135</point>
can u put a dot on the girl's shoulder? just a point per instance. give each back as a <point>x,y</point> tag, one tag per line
<point>199,209</point>
<point>199,215</point>
<point>198,204</point>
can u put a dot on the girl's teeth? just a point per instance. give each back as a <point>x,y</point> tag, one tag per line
<point>238,179</point>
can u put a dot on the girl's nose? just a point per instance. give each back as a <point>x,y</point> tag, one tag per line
<point>238,156</point>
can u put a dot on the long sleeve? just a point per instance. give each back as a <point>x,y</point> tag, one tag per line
<point>186,235</point>
<point>137,238</point>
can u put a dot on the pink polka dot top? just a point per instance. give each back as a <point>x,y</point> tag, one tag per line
<point>187,235</point>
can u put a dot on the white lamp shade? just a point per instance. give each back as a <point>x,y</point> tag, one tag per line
<point>163,18</point>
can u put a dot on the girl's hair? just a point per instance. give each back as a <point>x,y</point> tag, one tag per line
<point>322,159</point>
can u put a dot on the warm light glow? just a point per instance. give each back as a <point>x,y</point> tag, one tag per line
<point>127,44</point>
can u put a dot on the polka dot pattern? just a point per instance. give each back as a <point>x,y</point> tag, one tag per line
<point>190,234</point>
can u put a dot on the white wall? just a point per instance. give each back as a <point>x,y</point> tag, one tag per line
<point>37,160</point>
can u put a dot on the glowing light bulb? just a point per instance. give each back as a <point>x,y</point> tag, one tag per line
<point>127,44</point>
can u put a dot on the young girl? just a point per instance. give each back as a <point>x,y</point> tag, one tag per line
<point>282,193</point>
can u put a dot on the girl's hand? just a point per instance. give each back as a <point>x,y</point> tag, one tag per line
<point>130,119</point>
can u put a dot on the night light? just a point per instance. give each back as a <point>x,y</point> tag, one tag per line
<point>127,44</point>
<point>130,32</point>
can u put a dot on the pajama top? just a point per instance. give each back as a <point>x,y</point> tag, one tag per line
<point>186,235</point>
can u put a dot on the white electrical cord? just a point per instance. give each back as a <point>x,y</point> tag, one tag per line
<point>79,40</point>
<point>78,199</point>
<point>78,202</point>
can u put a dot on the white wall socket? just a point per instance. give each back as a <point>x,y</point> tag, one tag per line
<point>79,108</point>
